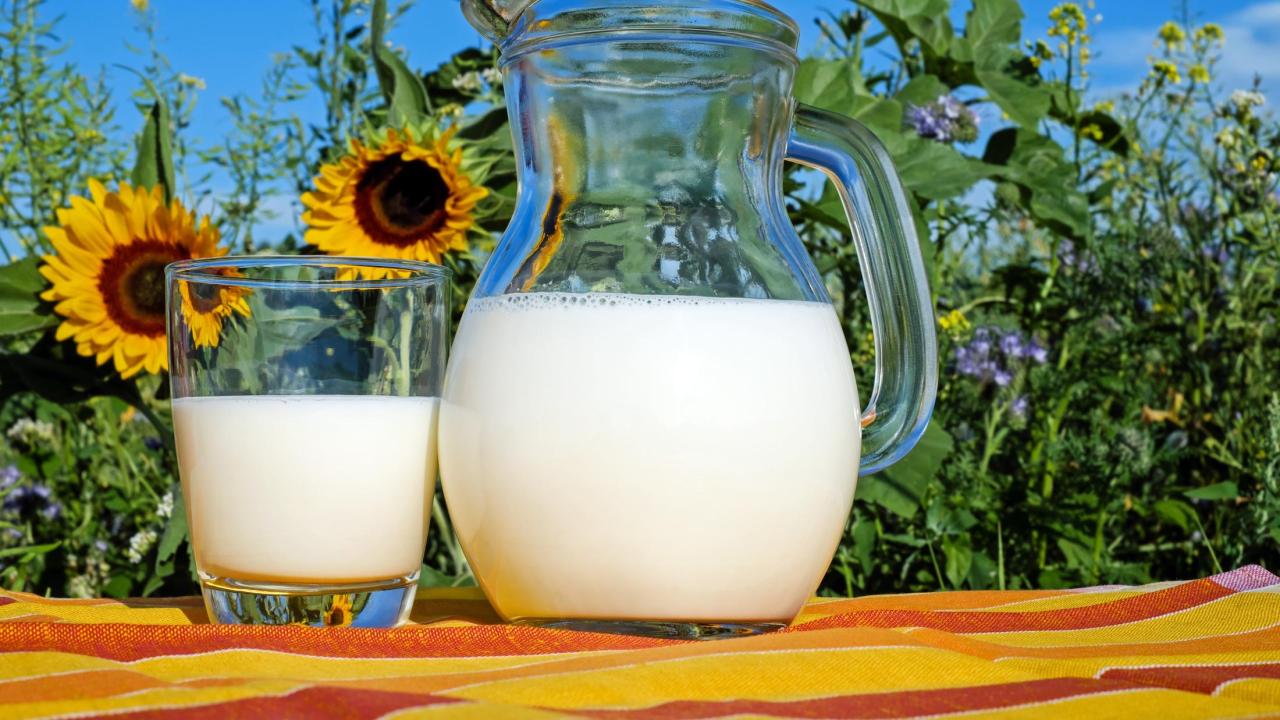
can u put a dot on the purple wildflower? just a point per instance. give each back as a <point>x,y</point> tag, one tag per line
<point>52,511</point>
<point>9,475</point>
<point>928,123</point>
<point>945,120</point>
<point>1217,253</point>
<point>1037,353</point>
<point>1019,408</point>
<point>31,499</point>
<point>1002,377</point>
<point>100,545</point>
<point>1012,345</point>
<point>13,533</point>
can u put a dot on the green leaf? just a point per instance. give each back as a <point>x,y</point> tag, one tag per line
<point>119,587</point>
<point>993,23</point>
<point>1025,103</point>
<point>409,104</point>
<point>1226,490</point>
<point>959,559</point>
<point>20,308</point>
<point>377,39</point>
<point>936,171</point>
<point>1175,512</point>
<point>29,551</point>
<point>922,90</point>
<point>900,489</point>
<point>1113,138</point>
<point>926,20</point>
<point>864,544</point>
<point>154,164</point>
<point>1000,146</point>
<point>826,84</point>
<point>176,531</point>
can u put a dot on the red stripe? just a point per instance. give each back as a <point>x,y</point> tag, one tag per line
<point>1117,612</point>
<point>312,702</point>
<point>6,600</point>
<point>880,705</point>
<point>121,642</point>
<point>1195,678</point>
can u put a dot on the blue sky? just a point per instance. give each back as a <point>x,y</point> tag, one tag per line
<point>230,44</point>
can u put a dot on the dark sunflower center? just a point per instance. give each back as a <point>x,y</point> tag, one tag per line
<point>205,297</point>
<point>132,285</point>
<point>145,285</point>
<point>398,202</point>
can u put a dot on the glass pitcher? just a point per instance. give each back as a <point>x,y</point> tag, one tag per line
<point>650,422</point>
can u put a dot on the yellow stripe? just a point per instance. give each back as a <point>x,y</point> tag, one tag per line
<point>261,664</point>
<point>1230,615</point>
<point>1260,690</point>
<point>771,675</point>
<point>1092,667</point>
<point>1063,602</point>
<point>1153,703</point>
<point>97,614</point>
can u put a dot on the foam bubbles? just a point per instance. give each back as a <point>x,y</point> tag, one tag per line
<point>561,300</point>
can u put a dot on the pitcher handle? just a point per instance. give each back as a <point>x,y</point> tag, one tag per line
<point>884,234</point>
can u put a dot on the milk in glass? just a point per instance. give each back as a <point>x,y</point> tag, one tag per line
<point>307,489</point>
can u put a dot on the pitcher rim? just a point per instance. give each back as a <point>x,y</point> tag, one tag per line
<point>580,21</point>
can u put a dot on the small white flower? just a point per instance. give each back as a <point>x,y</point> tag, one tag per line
<point>80,587</point>
<point>492,75</point>
<point>1246,99</point>
<point>468,82</point>
<point>139,544</point>
<point>31,432</point>
<point>165,508</point>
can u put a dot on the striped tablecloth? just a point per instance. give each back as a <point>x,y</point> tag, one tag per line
<point>1205,648</point>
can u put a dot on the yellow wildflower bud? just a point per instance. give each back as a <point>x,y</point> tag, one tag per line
<point>1210,32</point>
<point>954,320</point>
<point>1106,106</point>
<point>1092,131</point>
<point>1165,71</point>
<point>139,5</point>
<point>1198,73</point>
<point>1260,163</point>
<point>1172,35</point>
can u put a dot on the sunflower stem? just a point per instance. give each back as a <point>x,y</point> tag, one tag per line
<point>166,432</point>
<point>406,335</point>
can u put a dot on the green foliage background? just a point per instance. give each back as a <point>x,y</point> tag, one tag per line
<point>1134,240</point>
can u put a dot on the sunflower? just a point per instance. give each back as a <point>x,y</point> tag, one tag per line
<point>205,307</point>
<point>398,198</point>
<point>107,274</point>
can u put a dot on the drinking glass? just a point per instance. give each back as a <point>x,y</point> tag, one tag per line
<point>305,398</point>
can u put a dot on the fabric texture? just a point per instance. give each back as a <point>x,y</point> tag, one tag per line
<point>1204,648</point>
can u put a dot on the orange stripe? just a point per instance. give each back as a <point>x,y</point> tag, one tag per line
<point>1195,678</point>
<point>880,705</point>
<point>132,642</point>
<point>93,684</point>
<point>1141,607</point>
<point>312,702</point>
